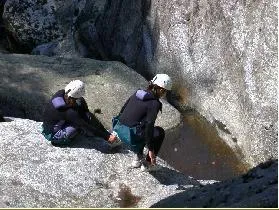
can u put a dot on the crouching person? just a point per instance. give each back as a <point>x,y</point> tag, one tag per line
<point>135,123</point>
<point>66,115</point>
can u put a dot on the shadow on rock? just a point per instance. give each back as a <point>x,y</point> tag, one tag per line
<point>1,117</point>
<point>96,143</point>
<point>167,176</point>
<point>256,189</point>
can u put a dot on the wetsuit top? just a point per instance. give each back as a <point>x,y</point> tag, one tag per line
<point>56,110</point>
<point>141,108</point>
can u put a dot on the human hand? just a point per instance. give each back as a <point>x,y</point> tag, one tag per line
<point>152,157</point>
<point>112,138</point>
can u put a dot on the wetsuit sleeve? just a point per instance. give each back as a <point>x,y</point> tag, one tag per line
<point>73,117</point>
<point>82,105</point>
<point>152,112</point>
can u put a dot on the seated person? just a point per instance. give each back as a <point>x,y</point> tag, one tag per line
<point>66,115</point>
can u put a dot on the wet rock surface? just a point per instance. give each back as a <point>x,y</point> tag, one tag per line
<point>199,152</point>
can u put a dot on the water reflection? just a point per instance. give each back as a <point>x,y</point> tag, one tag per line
<point>200,153</point>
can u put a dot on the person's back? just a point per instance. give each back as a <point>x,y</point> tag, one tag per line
<point>141,107</point>
<point>135,124</point>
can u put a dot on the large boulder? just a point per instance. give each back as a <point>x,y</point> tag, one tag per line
<point>107,30</point>
<point>117,32</point>
<point>32,23</point>
<point>92,176</point>
<point>223,58</point>
<point>88,174</point>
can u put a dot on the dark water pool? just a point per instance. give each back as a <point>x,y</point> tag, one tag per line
<point>200,153</point>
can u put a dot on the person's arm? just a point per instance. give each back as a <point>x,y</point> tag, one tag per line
<point>152,112</point>
<point>74,118</point>
<point>82,108</point>
<point>82,105</point>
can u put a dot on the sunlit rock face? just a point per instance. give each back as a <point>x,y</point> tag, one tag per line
<point>223,58</point>
<point>86,174</point>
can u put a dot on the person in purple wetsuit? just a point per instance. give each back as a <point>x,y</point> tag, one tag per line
<point>66,115</point>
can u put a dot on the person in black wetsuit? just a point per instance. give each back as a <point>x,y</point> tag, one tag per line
<point>67,114</point>
<point>135,123</point>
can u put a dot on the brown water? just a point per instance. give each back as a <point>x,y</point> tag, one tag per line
<point>200,153</point>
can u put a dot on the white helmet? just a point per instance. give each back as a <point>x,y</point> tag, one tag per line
<point>163,81</point>
<point>75,89</point>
